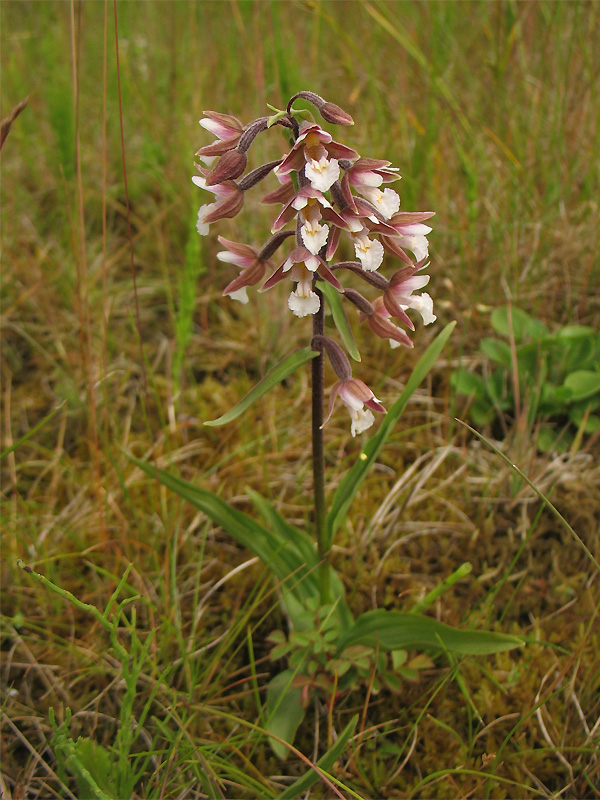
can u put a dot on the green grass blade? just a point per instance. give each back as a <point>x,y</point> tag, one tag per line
<point>340,319</point>
<point>442,587</point>
<point>30,433</point>
<point>271,379</point>
<point>395,630</point>
<point>540,494</point>
<point>351,482</point>
<point>326,761</point>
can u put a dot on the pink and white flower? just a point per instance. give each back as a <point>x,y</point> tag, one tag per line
<point>229,204</point>
<point>360,402</point>
<point>303,301</point>
<point>300,266</point>
<point>410,234</point>
<point>368,251</point>
<point>315,150</point>
<point>245,257</point>
<point>379,323</point>
<point>226,128</point>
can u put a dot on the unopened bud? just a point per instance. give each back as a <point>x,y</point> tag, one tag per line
<point>229,167</point>
<point>251,131</point>
<point>371,277</point>
<point>335,115</point>
<point>359,301</point>
<point>329,111</point>
<point>228,209</point>
<point>254,177</point>
<point>339,360</point>
<point>273,244</point>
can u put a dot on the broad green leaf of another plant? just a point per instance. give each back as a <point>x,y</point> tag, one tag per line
<point>522,324</point>
<point>340,319</point>
<point>496,350</point>
<point>580,415</point>
<point>326,761</point>
<point>468,383</point>
<point>285,711</point>
<point>271,379</point>
<point>352,481</point>
<point>394,630</point>
<point>583,384</point>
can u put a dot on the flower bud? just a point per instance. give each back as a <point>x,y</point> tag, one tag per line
<point>251,131</point>
<point>270,247</point>
<point>373,278</point>
<point>219,147</point>
<point>339,359</point>
<point>329,111</point>
<point>228,167</point>
<point>254,177</point>
<point>359,301</point>
<point>335,115</point>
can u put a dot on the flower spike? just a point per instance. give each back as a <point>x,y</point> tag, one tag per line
<point>328,192</point>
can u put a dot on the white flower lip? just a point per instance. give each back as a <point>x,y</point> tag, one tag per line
<point>302,305</point>
<point>322,174</point>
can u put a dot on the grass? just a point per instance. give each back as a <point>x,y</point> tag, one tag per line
<point>489,110</point>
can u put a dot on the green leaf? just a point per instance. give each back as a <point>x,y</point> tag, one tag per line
<point>273,550</point>
<point>301,542</point>
<point>578,353</point>
<point>482,412</point>
<point>574,332</point>
<point>326,761</point>
<point>352,481</point>
<point>583,384</point>
<point>522,324</point>
<point>298,538</point>
<point>275,376</point>
<point>496,350</point>
<point>549,440</point>
<point>498,390</point>
<point>340,319</point>
<point>392,630</point>
<point>468,383</point>
<point>577,415</point>
<point>275,117</point>
<point>285,711</point>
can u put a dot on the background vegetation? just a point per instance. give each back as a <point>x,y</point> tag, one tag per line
<point>113,315</point>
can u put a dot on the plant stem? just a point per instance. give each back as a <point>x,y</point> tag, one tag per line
<point>318,390</point>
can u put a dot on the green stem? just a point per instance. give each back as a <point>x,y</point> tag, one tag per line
<point>318,391</point>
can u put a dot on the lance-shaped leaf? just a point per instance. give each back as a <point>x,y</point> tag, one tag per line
<point>352,481</point>
<point>394,630</point>
<point>340,319</point>
<point>276,552</point>
<point>305,547</point>
<point>271,379</point>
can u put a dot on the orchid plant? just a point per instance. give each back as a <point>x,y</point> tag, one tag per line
<point>327,192</point>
